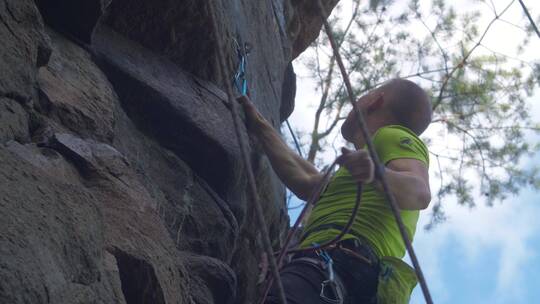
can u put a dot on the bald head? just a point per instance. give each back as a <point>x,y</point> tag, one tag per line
<point>397,101</point>
<point>408,103</point>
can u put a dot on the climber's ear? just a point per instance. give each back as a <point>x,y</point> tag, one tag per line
<point>375,103</point>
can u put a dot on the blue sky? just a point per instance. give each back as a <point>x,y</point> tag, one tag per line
<point>484,255</point>
<point>480,255</point>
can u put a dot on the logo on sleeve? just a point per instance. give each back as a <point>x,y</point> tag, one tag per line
<point>405,141</point>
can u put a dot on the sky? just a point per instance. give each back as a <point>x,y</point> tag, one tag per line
<point>479,255</point>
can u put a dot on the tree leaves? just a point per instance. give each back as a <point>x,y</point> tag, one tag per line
<point>479,94</point>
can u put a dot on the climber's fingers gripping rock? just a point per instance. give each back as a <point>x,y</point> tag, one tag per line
<point>358,163</point>
<point>253,117</point>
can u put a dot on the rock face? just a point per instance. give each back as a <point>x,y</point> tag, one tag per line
<point>120,175</point>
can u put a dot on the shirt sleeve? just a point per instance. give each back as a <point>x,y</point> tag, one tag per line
<point>393,142</point>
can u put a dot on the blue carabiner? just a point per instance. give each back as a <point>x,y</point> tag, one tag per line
<point>330,291</point>
<point>240,80</point>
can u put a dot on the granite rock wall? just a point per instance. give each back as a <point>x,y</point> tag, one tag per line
<point>120,175</point>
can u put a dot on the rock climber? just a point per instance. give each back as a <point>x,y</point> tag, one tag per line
<point>368,260</point>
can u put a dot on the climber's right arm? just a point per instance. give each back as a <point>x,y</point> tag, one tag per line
<point>299,175</point>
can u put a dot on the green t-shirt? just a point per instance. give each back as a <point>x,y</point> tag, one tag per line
<point>375,221</point>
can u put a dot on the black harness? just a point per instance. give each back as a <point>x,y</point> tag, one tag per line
<point>333,290</point>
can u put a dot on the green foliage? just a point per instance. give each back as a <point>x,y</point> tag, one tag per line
<point>479,95</point>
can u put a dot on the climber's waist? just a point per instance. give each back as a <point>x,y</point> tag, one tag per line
<point>356,245</point>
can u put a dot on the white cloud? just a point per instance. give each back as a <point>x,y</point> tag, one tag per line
<point>505,229</point>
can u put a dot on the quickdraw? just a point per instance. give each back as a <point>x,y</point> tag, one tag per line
<point>241,83</point>
<point>240,79</point>
<point>223,73</point>
<point>331,290</point>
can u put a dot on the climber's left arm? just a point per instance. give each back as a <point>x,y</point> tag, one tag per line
<point>408,180</point>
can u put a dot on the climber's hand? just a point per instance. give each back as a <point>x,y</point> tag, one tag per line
<point>358,163</point>
<point>253,117</point>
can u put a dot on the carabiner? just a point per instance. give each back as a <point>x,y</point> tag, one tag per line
<point>240,80</point>
<point>330,293</point>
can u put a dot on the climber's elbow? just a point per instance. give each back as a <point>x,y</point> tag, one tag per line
<point>307,188</point>
<point>416,198</point>
<point>423,199</point>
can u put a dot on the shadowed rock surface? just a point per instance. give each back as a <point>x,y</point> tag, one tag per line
<point>120,175</point>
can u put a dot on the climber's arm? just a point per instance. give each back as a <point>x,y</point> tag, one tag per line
<point>299,175</point>
<point>408,180</point>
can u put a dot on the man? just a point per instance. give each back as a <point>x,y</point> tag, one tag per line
<point>368,259</point>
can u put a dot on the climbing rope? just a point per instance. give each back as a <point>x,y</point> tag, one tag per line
<point>531,20</point>
<point>379,168</point>
<point>379,174</point>
<point>223,69</point>
<point>240,81</point>
<point>311,202</point>
<point>340,235</point>
<point>296,143</point>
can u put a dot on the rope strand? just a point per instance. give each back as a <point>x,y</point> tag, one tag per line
<point>531,20</point>
<point>223,70</point>
<point>312,200</point>
<point>379,169</point>
<point>296,143</point>
<point>343,231</point>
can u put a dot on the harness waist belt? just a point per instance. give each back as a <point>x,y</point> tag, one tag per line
<point>360,238</point>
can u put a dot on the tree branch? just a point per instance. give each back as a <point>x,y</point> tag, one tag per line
<point>466,57</point>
